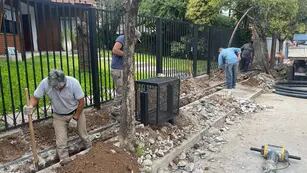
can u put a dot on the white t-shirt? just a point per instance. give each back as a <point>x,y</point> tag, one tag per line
<point>64,101</point>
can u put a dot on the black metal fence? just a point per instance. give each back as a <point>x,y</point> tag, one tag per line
<point>37,36</point>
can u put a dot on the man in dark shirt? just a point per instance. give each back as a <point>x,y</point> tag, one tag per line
<point>117,69</point>
<point>247,55</point>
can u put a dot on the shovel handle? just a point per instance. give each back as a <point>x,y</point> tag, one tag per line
<point>31,129</point>
<point>27,96</point>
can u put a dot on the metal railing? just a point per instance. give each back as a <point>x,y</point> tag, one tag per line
<point>37,36</point>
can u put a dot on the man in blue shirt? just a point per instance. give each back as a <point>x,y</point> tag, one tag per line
<point>117,69</point>
<point>228,61</point>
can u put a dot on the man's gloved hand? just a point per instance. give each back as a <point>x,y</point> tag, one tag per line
<point>27,109</point>
<point>73,123</point>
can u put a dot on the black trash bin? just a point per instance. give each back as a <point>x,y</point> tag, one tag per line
<point>157,100</point>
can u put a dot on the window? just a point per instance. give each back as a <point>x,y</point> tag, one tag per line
<point>8,23</point>
<point>9,26</point>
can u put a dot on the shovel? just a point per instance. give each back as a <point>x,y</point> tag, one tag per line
<point>33,142</point>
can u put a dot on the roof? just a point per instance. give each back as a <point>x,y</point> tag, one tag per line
<point>90,2</point>
<point>300,37</point>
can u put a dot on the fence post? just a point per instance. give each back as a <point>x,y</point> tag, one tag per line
<point>194,48</point>
<point>94,56</point>
<point>159,61</point>
<point>209,52</point>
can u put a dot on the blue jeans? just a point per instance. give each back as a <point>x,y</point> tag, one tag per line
<point>231,75</point>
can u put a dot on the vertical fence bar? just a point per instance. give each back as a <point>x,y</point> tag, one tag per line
<point>111,94</point>
<point>51,15</point>
<point>209,51</point>
<point>3,101</point>
<point>32,46</point>
<point>89,54</point>
<point>105,65</point>
<point>82,22</point>
<point>194,44</point>
<point>46,35</point>
<point>72,40</point>
<point>58,16</point>
<point>159,61</point>
<point>9,72</point>
<point>22,36</point>
<point>94,56</point>
<point>99,54</point>
<point>64,19</point>
<point>17,31</point>
<point>78,46</point>
<point>40,55</point>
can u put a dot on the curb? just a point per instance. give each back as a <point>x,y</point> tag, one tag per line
<point>219,122</point>
<point>161,163</point>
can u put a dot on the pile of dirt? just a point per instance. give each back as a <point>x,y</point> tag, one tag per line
<point>97,118</point>
<point>251,82</point>
<point>217,75</point>
<point>192,85</point>
<point>12,148</point>
<point>102,158</point>
<point>261,80</point>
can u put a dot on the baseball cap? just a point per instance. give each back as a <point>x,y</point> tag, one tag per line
<point>55,77</point>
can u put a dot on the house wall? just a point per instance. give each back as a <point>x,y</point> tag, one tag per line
<point>49,33</point>
<point>10,42</point>
<point>9,38</point>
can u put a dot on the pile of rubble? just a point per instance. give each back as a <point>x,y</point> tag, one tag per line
<point>212,142</point>
<point>266,81</point>
<point>156,143</point>
<point>189,161</point>
<point>261,80</point>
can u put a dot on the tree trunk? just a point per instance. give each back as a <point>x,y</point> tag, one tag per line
<point>127,123</point>
<point>83,43</point>
<point>280,44</point>
<point>273,51</point>
<point>261,52</point>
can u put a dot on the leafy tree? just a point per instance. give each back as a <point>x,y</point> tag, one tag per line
<point>267,17</point>
<point>172,9</point>
<point>225,21</point>
<point>203,12</point>
<point>110,19</point>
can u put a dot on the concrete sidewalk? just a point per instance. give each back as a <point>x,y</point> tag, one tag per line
<point>243,92</point>
<point>283,124</point>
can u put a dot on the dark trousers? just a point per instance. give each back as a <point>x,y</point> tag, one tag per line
<point>245,64</point>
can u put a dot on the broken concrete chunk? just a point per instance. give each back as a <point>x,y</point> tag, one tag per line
<point>182,163</point>
<point>189,167</point>
<point>147,162</point>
